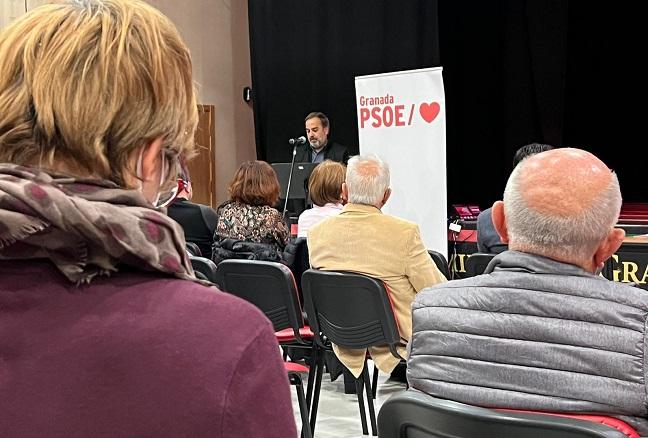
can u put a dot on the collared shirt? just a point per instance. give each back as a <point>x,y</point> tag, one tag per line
<point>318,156</point>
<point>316,214</point>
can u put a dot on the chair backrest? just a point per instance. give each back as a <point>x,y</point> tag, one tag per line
<point>412,414</point>
<point>476,264</point>
<point>193,249</point>
<point>204,268</point>
<point>440,262</point>
<point>349,309</point>
<point>268,285</point>
<point>302,262</point>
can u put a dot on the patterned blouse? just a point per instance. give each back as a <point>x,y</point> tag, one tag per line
<point>252,223</point>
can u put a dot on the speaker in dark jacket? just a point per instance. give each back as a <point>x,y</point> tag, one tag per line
<point>332,151</point>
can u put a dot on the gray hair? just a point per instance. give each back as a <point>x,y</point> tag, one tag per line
<point>321,116</point>
<point>571,237</point>
<point>367,179</point>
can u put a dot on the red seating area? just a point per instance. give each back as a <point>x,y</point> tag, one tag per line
<point>617,424</point>
<point>634,213</point>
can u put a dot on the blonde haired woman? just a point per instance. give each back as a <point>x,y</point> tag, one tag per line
<point>325,189</point>
<point>105,331</point>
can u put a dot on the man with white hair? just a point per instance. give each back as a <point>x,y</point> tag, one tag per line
<point>362,239</point>
<point>540,330</point>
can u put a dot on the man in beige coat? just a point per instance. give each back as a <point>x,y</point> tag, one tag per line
<point>362,239</point>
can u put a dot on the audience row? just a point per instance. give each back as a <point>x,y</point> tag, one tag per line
<point>107,332</point>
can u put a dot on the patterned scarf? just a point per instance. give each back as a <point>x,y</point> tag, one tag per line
<point>85,227</point>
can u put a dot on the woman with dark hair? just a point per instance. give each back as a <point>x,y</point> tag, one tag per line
<point>249,216</point>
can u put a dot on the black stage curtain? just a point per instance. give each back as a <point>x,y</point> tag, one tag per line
<point>306,53</point>
<point>606,89</point>
<point>552,71</point>
<point>515,71</point>
<point>504,76</point>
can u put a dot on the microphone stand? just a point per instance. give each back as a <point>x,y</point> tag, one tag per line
<point>292,166</point>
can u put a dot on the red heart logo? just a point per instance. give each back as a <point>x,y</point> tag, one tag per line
<point>429,111</point>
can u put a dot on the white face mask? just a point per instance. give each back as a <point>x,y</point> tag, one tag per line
<point>162,198</point>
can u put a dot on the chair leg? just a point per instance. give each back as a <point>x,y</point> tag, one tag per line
<point>370,400</point>
<point>312,364</point>
<point>374,388</point>
<point>316,392</point>
<point>363,416</point>
<point>295,379</point>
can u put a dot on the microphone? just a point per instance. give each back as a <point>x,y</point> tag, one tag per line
<point>300,140</point>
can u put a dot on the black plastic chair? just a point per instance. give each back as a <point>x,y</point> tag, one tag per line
<point>441,262</point>
<point>476,264</point>
<point>352,311</point>
<point>294,377</point>
<point>271,287</point>
<point>412,414</point>
<point>302,263</point>
<point>193,249</point>
<point>204,268</point>
<point>268,285</point>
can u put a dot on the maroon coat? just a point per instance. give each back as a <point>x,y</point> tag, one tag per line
<point>136,355</point>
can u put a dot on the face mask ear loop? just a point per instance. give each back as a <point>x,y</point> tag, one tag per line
<point>173,193</point>
<point>156,201</point>
<point>138,169</point>
<point>138,173</point>
<point>164,166</point>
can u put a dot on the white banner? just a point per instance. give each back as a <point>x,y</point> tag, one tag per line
<point>401,118</point>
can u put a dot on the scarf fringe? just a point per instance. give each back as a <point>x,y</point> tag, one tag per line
<point>23,232</point>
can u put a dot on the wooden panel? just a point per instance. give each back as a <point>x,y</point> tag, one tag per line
<point>202,167</point>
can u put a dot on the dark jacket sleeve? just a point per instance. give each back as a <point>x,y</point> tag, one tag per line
<point>303,154</point>
<point>210,218</point>
<point>339,153</point>
<point>345,155</point>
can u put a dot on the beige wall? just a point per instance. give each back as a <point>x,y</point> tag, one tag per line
<point>216,32</point>
<point>11,9</point>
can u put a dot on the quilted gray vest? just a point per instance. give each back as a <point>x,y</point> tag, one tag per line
<point>536,334</point>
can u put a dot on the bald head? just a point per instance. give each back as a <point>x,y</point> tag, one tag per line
<point>561,204</point>
<point>563,182</point>
<point>367,180</point>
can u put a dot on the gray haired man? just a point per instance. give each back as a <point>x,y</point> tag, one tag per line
<point>541,330</point>
<point>362,239</point>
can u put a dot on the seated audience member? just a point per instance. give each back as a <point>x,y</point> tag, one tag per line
<point>541,331</point>
<point>362,239</point>
<point>488,241</point>
<point>248,226</point>
<point>198,221</point>
<point>105,332</point>
<point>325,189</point>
